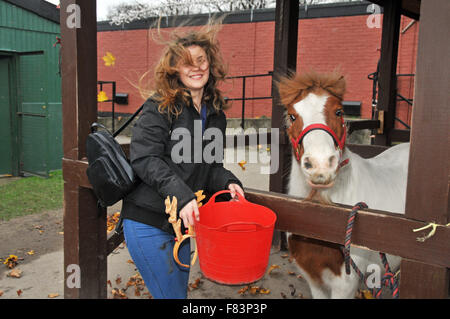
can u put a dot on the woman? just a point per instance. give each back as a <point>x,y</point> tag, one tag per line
<point>186,80</point>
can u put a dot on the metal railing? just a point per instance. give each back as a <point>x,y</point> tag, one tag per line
<point>112,100</point>
<point>244,98</point>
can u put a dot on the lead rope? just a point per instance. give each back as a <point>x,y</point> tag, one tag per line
<point>389,279</point>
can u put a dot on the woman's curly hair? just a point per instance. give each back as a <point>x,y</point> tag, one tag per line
<point>167,88</point>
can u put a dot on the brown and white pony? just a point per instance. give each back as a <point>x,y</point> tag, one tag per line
<point>324,170</point>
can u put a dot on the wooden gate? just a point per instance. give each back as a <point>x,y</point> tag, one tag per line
<point>424,267</point>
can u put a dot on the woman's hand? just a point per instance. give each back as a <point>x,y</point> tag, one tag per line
<point>189,212</point>
<point>235,188</point>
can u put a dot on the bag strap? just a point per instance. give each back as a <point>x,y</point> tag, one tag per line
<point>120,129</point>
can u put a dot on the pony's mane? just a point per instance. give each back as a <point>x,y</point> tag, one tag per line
<point>296,86</point>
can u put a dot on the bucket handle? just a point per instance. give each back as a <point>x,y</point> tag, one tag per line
<point>237,227</point>
<point>213,197</point>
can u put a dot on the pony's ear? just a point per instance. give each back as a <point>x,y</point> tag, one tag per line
<point>336,84</point>
<point>289,90</point>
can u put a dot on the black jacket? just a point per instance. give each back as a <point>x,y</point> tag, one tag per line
<point>150,156</point>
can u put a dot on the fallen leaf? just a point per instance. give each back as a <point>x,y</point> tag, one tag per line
<point>137,292</point>
<point>1,293</point>
<point>31,252</point>
<point>364,294</point>
<point>118,294</point>
<point>118,280</point>
<point>284,255</point>
<point>15,273</point>
<point>53,295</point>
<point>264,291</point>
<point>241,164</point>
<point>109,283</point>
<point>130,261</point>
<point>254,290</point>
<point>112,221</point>
<point>61,233</point>
<point>19,292</point>
<point>291,273</point>
<point>11,261</point>
<point>243,290</point>
<point>110,59</point>
<point>299,276</point>
<point>272,268</point>
<point>293,290</point>
<point>195,284</point>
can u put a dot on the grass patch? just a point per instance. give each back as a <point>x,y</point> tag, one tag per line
<point>31,195</point>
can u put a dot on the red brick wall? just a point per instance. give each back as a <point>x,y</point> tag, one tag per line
<point>323,44</point>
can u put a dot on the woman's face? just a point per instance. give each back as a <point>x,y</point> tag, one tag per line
<point>195,77</point>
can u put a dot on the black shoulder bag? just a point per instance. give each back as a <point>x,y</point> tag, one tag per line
<point>109,170</point>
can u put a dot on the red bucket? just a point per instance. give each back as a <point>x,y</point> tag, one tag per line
<point>233,240</point>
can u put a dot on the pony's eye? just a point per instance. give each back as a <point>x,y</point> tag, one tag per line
<point>339,112</point>
<point>292,117</point>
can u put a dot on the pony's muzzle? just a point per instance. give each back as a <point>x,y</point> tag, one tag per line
<point>320,172</point>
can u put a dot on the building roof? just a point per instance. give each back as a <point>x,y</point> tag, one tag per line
<point>42,8</point>
<point>409,8</point>
<point>246,16</point>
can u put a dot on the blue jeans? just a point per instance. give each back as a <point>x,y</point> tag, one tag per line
<point>152,251</point>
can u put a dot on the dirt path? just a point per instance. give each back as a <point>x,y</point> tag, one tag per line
<point>41,233</point>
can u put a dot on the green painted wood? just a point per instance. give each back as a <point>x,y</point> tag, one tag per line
<point>23,32</point>
<point>6,153</point>
<point>33,115</point>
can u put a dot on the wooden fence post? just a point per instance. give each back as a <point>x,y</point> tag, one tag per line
<point>285,58</point>
<point>388,71</point>
<point>427,197</point>
<point>84,224</point>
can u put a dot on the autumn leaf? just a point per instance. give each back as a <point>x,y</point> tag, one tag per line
<point>118,294</point>
<point>264,291</point>
<point>271,268</point>
<point>19,292</point>
<point>1,293</point>
<point>112,221</point>
<point>242,163</point>
<point>118,280</point>
<point>30,253</point>
<point>364,294</point>
<point>253,290</point>
<point>15,273</point>
<point>243,290</point>
<point>110,59</point>
<point>200,197</point>
<point>11,261</point>
<point>195,284</point>
<point>102,97</point>
<point>53,295</point>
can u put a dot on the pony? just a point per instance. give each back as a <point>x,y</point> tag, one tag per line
<point>326,171</point>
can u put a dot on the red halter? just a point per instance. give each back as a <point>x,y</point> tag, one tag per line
<point>339,142</point>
